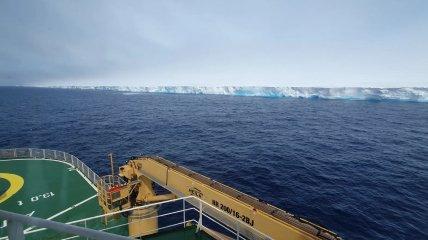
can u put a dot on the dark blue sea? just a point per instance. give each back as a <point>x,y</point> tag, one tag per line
<point>359,168</point>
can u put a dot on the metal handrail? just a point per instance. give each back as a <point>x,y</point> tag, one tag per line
<point>16,232</point>
<point>36,153</point>
<point>200,208</point>
<point>108,181</point>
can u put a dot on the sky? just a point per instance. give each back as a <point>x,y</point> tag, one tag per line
<point>301,43</point>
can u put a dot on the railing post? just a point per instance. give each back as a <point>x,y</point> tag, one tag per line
<point>184,213</point>
<point>86,227</point>
<point>237,229</point>
<point>200,217</point>
<point>15,230</point>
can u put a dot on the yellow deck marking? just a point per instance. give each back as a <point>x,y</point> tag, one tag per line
<point>16,183</point>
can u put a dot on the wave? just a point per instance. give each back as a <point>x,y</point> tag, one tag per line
<point>349,93</point>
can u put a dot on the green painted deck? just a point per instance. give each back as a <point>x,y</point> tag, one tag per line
<point>55,190</point>
<point>49,187</point>
<point>52,190</point>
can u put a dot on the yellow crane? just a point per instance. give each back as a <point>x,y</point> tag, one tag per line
<point>134,186</point>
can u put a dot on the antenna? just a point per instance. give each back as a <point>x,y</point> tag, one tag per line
<point>110,156</point>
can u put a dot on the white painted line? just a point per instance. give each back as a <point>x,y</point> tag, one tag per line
<point>87,180</point>
<point>70,237</point>
<point>75,205</point>
<point>63,211</point>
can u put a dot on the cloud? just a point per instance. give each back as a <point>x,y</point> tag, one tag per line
<point>271,43</point>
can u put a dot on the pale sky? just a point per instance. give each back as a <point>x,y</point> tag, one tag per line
<point>215,43</point>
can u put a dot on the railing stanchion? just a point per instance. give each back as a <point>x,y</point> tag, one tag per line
<point>15,230</point>
<point>200,217</point>
<point>86,227</point>
<point>237,229</point>
<point>184,213</point>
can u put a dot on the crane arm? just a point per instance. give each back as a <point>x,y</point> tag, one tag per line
<point>253,212</point>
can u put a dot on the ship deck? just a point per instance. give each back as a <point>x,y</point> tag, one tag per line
<point>55,190</point>
<point>51,190</point>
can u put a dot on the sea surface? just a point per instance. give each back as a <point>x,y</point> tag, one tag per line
<point>359,168</point>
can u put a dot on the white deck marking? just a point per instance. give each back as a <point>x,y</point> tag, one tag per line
<point>65,210</point>
<point>87,180</point>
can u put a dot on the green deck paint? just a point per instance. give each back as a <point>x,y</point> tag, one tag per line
<point>51,187</point>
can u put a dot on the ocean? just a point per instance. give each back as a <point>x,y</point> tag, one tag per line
<point>358,167</point>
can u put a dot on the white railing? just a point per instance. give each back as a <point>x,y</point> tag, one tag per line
<point>186,215</point>
<point>16,222</point>
<point>108,181</point>
<point>35,153</point>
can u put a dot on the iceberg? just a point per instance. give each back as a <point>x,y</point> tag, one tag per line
<point>350,93</point>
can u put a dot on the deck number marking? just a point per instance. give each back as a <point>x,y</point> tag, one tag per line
<point>41,196</point>
<point>37,198</point>
<point>232,212</point>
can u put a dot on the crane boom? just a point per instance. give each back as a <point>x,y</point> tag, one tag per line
<point>268,219</point>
